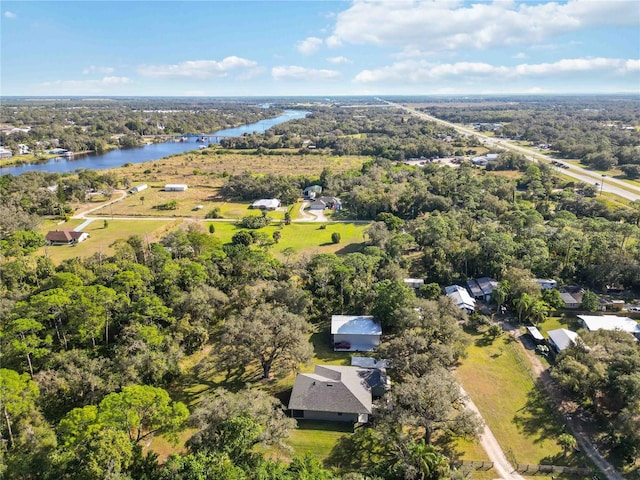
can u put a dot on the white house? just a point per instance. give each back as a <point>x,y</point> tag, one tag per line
<point>5,153</point>
<point>561,339</point>
<point>546,283</point>
<point>461,298</point>
<point>175,187</point>
<point>65,237</point>
<point>355,333</point>
<point>610,322</point>
<point>141,187</point>
<point>266,204</point>
<point>413,282</point>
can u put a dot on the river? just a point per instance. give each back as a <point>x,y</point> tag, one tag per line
<point>155,151</point>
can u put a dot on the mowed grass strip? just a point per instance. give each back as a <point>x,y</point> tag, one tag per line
<point>101,238</point>
<point>304,238</point>
<point>524,424</point>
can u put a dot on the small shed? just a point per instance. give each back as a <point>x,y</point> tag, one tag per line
<point>355,333</point>
<point>139,188</point>
<point>175,187</point>
<point>535,334</point>
<point>561,339</point>
<point>312,191</point>
<point>546,283</point>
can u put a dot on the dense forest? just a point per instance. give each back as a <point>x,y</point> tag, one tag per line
<point>600,132</point>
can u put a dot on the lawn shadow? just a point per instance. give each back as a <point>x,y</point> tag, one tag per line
<point>351,248</point>
<point>538,419</point>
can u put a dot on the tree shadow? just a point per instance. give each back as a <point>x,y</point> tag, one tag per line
<point>351,248</point>
<point>538,419</point>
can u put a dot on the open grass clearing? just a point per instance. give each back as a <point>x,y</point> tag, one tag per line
<point>101,238</point>
<point>207,167</point>
<point>304,238</point>
<point>496,375</point>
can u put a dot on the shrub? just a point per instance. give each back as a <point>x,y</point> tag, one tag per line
<point>335,237</point>
<point>213,213</point>
<point>255,221</point>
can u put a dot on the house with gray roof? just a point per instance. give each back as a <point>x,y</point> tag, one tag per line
<point>333,393</point>
<point>561,339</point>
<point>461,298</point>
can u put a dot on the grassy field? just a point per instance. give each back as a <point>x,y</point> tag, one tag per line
<point>100,238</point>
<point>305,238</point>
<point>209,168</point>
<point>498,379</point>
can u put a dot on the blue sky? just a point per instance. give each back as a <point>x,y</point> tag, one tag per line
<point>265,48</point>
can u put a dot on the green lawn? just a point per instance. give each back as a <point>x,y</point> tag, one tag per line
<point>317,438</point>
<point>100,238</point>
<point>304,238</point>
<point>496,376</point>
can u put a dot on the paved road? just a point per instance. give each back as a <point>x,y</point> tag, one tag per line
<point>606,184</point>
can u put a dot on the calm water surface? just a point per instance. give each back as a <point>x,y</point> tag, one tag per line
<point>117,158</point>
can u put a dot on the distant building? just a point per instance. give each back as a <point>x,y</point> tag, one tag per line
<point>5,153</point>
<point>312,191</point>
<point>65,237</point>
<point>482,288</point>
<point>535,334</point>
<point>569,300</point>
<point>322,203</point>
<point>23,149</point>
<point>610,322</point>
<point>175,187</point>
<point>413,282</point>
<point>139,188</point>
<point>266,204</point>
<point>546,283</point>
<point>461,298</point>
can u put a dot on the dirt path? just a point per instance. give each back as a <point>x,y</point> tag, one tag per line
<point>492,447</point>
<point>574,417</point>
<point>83,213</point>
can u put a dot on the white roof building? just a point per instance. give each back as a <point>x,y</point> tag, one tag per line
<point>610,322</point>
<point>175,187</point>
<point>355,332</point>
<point>266,204</point>
<point>562,338</point>
<point>414,282</point>
<point>460,296</point>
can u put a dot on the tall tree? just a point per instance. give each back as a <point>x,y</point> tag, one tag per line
<point>270,335</point>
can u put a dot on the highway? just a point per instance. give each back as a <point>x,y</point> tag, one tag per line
<point>605,184</point>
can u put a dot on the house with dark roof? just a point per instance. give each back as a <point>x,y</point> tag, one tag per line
<point>65,237</point>
<point>333,393</point>
<point>355,333</point>
<point>321,203</point>
<point>482,288</point>
<point>569,300</point>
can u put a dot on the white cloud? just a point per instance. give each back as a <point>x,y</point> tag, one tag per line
<point>10,15</point>
<point>339,60</point>
<point>309,45</point>
<point>417,71</point>
<point>452,24</point>
<point>520,55</point>
<point>101,70</point>
<point>293,72</point>
<point>80,87</point>
<point>202,69</point>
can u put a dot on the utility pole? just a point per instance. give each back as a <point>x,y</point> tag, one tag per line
<point>602,184</point>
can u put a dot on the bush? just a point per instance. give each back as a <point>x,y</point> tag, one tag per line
<point>335,237</point>
<point>255,221</point>
<point>213,213</point>
<point>171,205</point>
<point>212,229</point>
